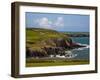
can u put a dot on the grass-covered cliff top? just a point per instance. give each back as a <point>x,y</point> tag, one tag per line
<point>39,37</point>
<point>38,34</point>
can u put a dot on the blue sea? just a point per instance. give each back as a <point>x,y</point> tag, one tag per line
<point>81,53</point>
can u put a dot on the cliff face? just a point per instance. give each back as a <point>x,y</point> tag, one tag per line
<point>45,42</point>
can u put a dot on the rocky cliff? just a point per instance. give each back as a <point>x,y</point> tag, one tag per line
<point>45,42</point>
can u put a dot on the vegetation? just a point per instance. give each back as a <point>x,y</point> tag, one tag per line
<point>37,36</point>
<point>54,62</point>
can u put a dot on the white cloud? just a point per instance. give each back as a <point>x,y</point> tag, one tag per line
<point>44,22</point>
<point>59,22</point>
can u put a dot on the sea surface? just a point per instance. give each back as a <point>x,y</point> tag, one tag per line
<point>81,53</point>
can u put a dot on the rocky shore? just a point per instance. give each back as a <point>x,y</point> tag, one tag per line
<point>60,48</point>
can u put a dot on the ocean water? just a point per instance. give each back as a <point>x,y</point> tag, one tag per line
<point>82,40</point>
<point>81,53</point>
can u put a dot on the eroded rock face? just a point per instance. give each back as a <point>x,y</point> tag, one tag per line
<point>35,53</point>
<point>56,46</point>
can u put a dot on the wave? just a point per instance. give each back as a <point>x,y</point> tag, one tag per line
<point>69,53</point>
<point>82,48</point>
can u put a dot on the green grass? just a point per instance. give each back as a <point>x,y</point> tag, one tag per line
<point>50,62</point>
<point>37,34</point>
<point>35,37</point>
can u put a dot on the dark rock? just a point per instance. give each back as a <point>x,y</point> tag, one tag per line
<point>61,46</point>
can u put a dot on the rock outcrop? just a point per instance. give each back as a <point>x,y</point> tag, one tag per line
<point>60,47</point>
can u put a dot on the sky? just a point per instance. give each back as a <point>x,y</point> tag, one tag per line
<point>59,22</point>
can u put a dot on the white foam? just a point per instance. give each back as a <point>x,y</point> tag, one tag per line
<point>82,48</point>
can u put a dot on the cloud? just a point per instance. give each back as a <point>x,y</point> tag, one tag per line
<point>59,22</point>
<point>44,22</point>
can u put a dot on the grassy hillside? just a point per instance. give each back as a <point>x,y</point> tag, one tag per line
<point>37,38</point>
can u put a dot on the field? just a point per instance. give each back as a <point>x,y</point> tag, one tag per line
<point>53,62</point>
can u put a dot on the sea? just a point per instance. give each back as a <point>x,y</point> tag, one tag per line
<point>81,53</point>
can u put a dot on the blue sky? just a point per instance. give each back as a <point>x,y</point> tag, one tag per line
<point>59,22</point>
